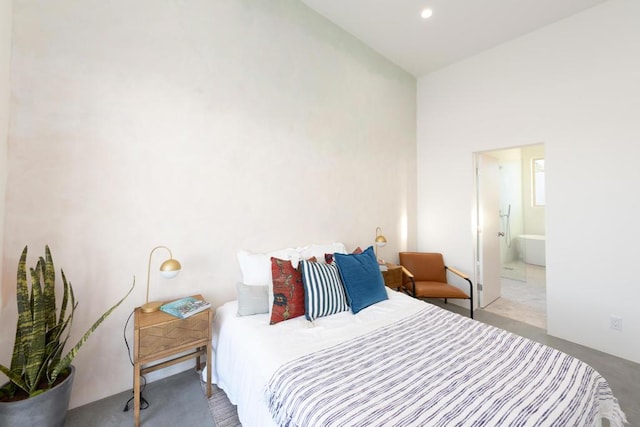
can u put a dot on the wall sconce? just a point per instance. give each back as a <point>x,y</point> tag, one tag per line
<point>380,241</point>
<point>168,269</point>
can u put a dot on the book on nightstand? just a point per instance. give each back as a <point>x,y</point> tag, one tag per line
<point>185,307</point>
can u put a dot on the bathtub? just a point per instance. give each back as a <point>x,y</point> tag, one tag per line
<point>531,248</point>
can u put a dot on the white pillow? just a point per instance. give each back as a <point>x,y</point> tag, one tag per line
<point>256,267</point>
<point>318,250</point>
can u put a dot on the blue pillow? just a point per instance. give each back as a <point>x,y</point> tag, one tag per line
<point>361,278</point>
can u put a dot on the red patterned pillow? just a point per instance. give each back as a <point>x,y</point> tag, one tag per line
<point>288,291</point>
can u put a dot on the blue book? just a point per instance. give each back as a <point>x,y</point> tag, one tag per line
<point>185,307</point>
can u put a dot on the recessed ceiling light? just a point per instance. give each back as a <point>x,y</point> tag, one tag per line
<point>426,13</point>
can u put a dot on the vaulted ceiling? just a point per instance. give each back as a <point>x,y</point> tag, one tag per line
<point>456,30</point>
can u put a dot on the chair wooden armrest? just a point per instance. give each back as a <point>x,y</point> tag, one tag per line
<point>406,274</point>
<point>465,277</point>
<point>457,272</point>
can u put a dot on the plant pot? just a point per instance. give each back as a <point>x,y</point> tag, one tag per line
<point>48,409</point>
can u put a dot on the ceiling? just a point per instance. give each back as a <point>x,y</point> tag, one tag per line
<point>457,29</point>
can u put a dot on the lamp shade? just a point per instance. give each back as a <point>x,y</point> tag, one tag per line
<point>170,268</point>
<point>380,239</point>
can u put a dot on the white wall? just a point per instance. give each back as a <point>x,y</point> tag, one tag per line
<point>208,128</point>
<point>5,70</point>
<point>574,87</point>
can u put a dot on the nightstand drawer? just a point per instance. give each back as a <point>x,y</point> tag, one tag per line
<point>173,334</point>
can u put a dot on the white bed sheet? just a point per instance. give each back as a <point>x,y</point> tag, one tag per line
<point>266,347</point>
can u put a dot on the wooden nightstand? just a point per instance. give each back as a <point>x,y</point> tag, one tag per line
<point>393,276</point>
<point>159,335</point>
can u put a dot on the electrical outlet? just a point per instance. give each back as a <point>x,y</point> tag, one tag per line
<point>615,322</point>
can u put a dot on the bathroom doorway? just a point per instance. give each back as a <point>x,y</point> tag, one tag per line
<point>522,234</point>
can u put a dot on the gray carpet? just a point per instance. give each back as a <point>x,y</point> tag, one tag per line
<point>176,400</point>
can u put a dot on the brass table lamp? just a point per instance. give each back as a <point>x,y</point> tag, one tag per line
<point>168,269</point>
<point>380,241</point>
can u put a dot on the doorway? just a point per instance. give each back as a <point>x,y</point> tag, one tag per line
<point>511,233</point>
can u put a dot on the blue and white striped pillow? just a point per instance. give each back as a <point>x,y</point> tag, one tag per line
<point>323,290</point>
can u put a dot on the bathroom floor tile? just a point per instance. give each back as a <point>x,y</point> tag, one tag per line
<point>524,295</point>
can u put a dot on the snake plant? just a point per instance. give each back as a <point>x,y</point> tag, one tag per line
<point>42,331</point>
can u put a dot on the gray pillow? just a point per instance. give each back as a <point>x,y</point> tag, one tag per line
<point>252,299</point>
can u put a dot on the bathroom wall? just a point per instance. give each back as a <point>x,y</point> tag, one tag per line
<point>510,161</point>
<point>534,216</point>
<point>516,190</point>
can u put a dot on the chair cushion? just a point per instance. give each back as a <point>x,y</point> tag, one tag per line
<point>428,289</point>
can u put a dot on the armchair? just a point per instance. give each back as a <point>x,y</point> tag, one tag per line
<point>425,276</point>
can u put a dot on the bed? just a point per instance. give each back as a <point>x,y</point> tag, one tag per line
<point>377,368</point>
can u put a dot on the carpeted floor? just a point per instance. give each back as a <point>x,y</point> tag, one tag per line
<point>173,401</point>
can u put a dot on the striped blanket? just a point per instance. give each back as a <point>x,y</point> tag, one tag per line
<point>436,368</point>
